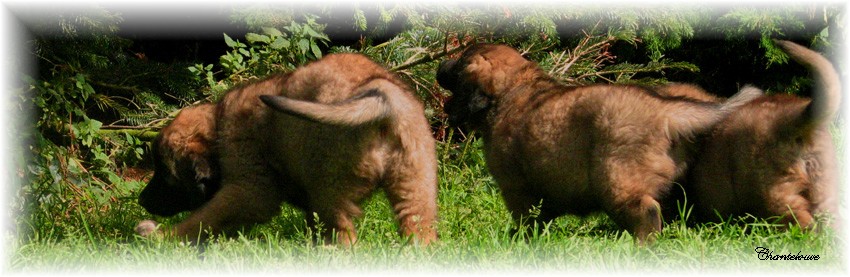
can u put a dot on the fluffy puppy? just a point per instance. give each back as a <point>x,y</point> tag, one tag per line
<point>322,138</point>
<point>572,149</point>
<point>188,175</point>
<point>774,156</point>
<point>349,126</point>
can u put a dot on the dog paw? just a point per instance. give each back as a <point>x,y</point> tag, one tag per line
<point>146,228</point>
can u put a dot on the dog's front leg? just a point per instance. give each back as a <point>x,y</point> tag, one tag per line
<point>232,207</point>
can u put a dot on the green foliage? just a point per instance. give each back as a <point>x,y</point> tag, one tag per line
<point>528,27</point>
<point>85,77</point>
<point>767,23</point>
<point>272,50</point>
<point>773,22</point>
<point>87,54</point>
<point>258,16</point>
<point>591,61</point>
<point>66,183</point>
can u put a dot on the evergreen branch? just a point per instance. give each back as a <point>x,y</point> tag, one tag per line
<point>104,101</point>
<point>637,69</point>
<point>117,87</point>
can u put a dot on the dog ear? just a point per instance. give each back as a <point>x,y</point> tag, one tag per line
<point>478,102</point>
<point>445,77</point>
<point>202,168</point>
<point>198,153</point>
<point>205,176</point>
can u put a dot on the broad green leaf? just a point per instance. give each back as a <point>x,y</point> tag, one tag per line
<point>252,38</point>
<point>279,43</point>
<point>316,51</point>
<point>229,41</point>
<point>311,32</point>
<point>273,32</point>
<point>304,45</point>
<point>94,125</point>
<point>294,28</point>
<point>80,80</point>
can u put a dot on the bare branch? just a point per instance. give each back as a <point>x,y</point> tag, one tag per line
<point>142,134</point>
<point>426,59</point>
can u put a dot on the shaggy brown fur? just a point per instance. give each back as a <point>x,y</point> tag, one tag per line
<point>575,149</point>
<point>686,153</point>
<point>774,156</point>
<point>186,173</point>
<point>688,91</point>
<point>362,129</point>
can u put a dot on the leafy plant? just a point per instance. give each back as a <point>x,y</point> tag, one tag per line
<point>264,53</point>
<point>72,171</point>
<point>273,50</point>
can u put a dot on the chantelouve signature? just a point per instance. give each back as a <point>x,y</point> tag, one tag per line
<point>765,253</point>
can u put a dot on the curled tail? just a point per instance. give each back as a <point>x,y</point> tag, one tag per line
<point>686,119</point>
<point>369,106</point>
<point>826,97</point>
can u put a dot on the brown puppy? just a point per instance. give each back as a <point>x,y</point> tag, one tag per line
<point>774,156</point>
<point>362,129</point>
<point>186,173</point>
<point>575,149</point>
<point>365,129</point>
<point>686,153</point>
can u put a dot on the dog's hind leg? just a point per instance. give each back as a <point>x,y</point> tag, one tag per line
<point>632,200</point>
<point>415,206</point>
<point>640,215</point>
<point>332,220</point>
<point>786,199</point>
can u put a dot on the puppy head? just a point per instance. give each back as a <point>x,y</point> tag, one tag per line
<point>478,78</point>
<point>185,172</point>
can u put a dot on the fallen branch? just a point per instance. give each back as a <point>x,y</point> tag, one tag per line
<point>142,134</point>
<point>121,127</point>
<point>427,59</point>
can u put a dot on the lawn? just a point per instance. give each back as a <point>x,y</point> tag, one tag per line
<point>475,237</point>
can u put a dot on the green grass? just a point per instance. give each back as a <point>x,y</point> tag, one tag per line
<point>475,236</point>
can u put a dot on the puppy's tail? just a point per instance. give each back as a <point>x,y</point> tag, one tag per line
<point>686,119</point>
<point>744,96</point>
<point>826,97</point>
<point>369,106</point>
